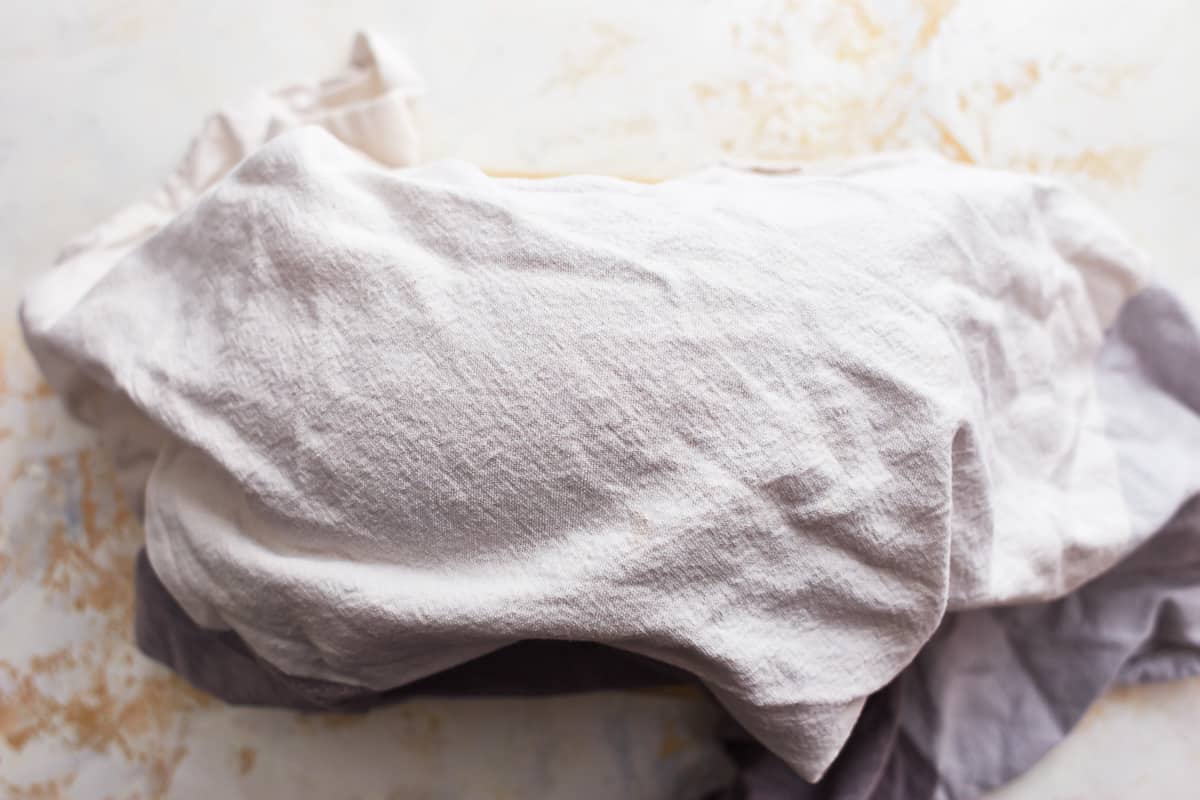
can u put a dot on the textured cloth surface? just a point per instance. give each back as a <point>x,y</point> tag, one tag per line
<point>764,429</point>
<point>995,689</point>
<point>369,106</point>
<point>989,694</point>
<point>220,663</point>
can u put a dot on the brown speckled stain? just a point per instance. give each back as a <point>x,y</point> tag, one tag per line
<point>246,757</point>
<point>1116,166</point>
<point>418,731</point>
<point>672,743</point>
<point>42,790</point>
<point>603,57</point>
<point>40,391</point>
<point>93,695</point>
<point>936,12</point>
<point>864,39</point>
<point>948,143</point>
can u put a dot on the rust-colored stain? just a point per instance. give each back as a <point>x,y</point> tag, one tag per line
<point>93,564</point>
<point>87,503</point>
<point>604,57</point>
<point>787,118</point>
<point>53,662</point>
<point>246,758</point>
<point>22,708</point>
<point>1107,80</point>
<point>91,696</point>
<point>1116,166</point>
<point>161,770</point>
<point>936,12</point>
<point>671,742</point>
<point>886,137</point>
<point>949,143</point>
<point>704,91</point>
<point>418,731</point>
<point>1028,77</point>
<point>866,37</point>
<point>100,584</point>
<point>40,391</point>
<point>770,42</point>
<point>96,717</point>
<point>42,790</point>
<point>333,721</point>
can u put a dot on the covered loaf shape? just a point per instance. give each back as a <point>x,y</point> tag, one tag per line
<point>764,428</point>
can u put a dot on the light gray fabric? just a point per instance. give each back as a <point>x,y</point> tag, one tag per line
<point>1148,374</point>
<point>995,689</point>
<point>765,429</point>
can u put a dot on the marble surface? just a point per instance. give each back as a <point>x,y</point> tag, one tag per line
<point>99,97</point>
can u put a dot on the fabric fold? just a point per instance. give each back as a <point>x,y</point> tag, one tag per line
<point>398,430</point>
<point>370,105</point>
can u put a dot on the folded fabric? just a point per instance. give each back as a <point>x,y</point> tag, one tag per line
<point>989,694</point>
<point>220,663</point>
<point>987,697</point>
<point>369,106</point>
<point>766,430</point>
<point>995,689</point>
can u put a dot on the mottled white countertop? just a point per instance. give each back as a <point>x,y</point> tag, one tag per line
<point>98,98</point>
